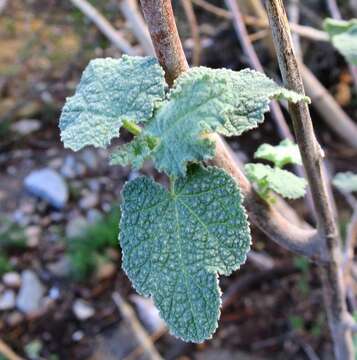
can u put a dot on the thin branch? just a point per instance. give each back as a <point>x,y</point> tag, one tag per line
<point>140,349</point>
<point>277,114</point>
<point>331,273</point>
<point>241,30</point>
<point>350,243</point>
<point>104,26</point>
<point>130,10</point>
<point>294,17</point>
<point>195,31</point>
<point>333,8</point>
<point>3,4</point>
<point>164,35</point>
<point>324,103</point>
<point>8,352</point>
<point>139,332</point>
<point>304,31</point>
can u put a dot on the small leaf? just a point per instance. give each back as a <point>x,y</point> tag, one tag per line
<point>135,152</point>
<point>111,91</point>
<point>343,35</point>
<point>252,92</point>
<point>346,181</point>
<point>174,244</point>
<point>206,100</point>
<point>281,181</point>
<point>285,153</point>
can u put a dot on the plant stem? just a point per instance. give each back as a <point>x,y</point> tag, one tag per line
<point>268,219</point>
<point>162,27</point>
<point>132,127</point>
<point>331,273</point>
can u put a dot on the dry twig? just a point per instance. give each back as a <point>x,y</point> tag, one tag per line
<point>104,26</point>
<point>8,352</point>
<point>331,273</point>
<point>130,10</point>
<point>195,31</point>
<point>139,332</point>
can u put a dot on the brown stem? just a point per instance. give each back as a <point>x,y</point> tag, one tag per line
<point>270,221</point>
<point>163,31</point>
<point>331,273</point>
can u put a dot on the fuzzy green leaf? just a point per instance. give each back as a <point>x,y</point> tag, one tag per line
<point>281,181</point>
<point>285,153</point>
<point>343,35</point>
<point>346,181</point>
<point>206,100</point>
<point>174,244</point>
<point>111,91</point>
<point>252,92</point>
<point>135,152</point>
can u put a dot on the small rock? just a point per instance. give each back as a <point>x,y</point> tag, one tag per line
<point>76,227</point>
<point>48,185</point>
<point>14,318</point>
<point>33,234</point>
<point>12,279</point>
<point>90,158</point>
<point>148,313</point>
<point>54,293</point>
<point>82,310</point>
<point>31,293</point>
<point>26,126</point>
<point>77,335</point>
<point>71,168</point>
<point>60,268</point>
<point>7,300</point>
<point>89,201</point>
<point>133,175</point>
<point>105,270</point>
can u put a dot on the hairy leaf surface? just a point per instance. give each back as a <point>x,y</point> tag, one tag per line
<point>111,91</point>
<point>135,152</point>
<point>346,181</point>
<point>281,181</point>
<point>285,153</point>
<point>174,244</point>
<point>344,37</point>
<point>206,100</point>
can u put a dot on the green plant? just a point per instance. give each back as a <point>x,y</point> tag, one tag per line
<point>267,178</point>
<point>12,236</point>
<point>175,242</point>
<point>343,36</point>
<point>5,265</point>
<point>346,181</point>
<point>88,249</point>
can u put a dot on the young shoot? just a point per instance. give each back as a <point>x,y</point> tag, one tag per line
<point>267,179</point>
<point>175,243</point>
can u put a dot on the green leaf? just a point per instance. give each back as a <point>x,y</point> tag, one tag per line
<point>135,152</point>
<point>174,244</point>
<point>285,153</point>
<point>251,94</point>
<point>281,181</point>
<point>346,181</point>
<point>343,35</point>
<point>206,100</point>
<point>111,91</point>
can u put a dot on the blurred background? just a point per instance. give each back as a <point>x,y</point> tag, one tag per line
<point>63,294</point>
